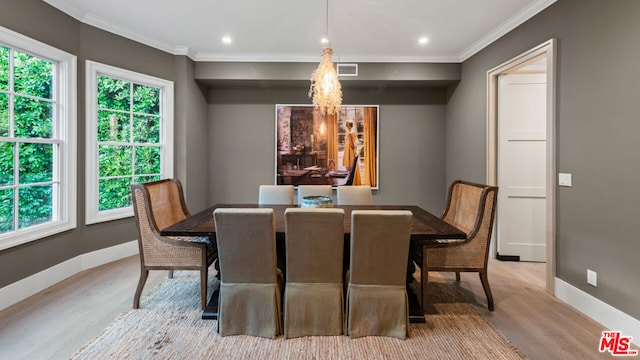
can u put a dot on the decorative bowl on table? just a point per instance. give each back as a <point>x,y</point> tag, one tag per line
<point>317,201</point>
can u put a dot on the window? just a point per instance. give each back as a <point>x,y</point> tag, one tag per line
<point>129,137</point>
<point>37,140</point>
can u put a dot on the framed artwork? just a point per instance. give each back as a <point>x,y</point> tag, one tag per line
<point>315,149</point>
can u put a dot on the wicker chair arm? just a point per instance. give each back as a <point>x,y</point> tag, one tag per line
<point>185,241</point>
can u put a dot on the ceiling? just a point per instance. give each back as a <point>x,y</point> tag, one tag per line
<point>290,30</point>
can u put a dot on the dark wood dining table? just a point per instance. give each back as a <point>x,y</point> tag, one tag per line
<point>426,228</point>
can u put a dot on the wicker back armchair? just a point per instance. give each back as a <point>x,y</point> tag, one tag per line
<point>157,205</point>
<point>470,208</point>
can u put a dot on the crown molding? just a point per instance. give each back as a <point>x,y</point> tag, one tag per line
<point>504,28</point>
<point>174,49</point>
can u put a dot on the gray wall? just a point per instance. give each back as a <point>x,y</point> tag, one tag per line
<point>191,135</point>
<point>424,144</point>
<point>40,21</point>
<point>411,142</point>
<point>224,136</point>
<point>597,137</point>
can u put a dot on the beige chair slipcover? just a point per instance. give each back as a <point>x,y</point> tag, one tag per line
<point>470,208</point>
<point>314,190</point>
<point>275,195</point>
<point>313,296</point>
<point>156,205</point>
<point>377,302</point>
<point>250,289</point>
<point>354,195</point>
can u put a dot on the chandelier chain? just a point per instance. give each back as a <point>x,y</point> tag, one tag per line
<point>327,23</point>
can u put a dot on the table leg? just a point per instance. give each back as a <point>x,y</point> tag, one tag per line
<point>211,311</point>
<point>416,313</point>
<point>424,277</point>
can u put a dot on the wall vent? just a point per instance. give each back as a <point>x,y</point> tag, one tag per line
<point>347,69</point>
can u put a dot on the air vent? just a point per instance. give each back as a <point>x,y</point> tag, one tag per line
<point>347,69</point>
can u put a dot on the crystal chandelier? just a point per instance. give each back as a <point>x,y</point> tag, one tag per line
<point>325,89</point>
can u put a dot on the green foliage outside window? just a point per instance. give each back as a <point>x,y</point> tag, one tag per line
<point>35,205</point>
<point>129,144</point>
<point>6,163</point>
<point>128,139</point>
<point>6,210</point>
<point>30,100</point>
<point>4,68</point>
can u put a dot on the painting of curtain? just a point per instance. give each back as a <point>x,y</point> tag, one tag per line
<point>370,149</point>
<point>316,149</point>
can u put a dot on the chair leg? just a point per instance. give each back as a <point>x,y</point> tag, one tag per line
<point>458,276</point>
<point>203,287</point>
<point>487,290</point>
<point>143,279</point>
<point>170,274</point>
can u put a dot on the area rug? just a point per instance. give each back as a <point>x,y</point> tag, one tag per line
<point>168,326</point>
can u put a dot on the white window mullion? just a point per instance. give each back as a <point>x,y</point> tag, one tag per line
<point>93,72</point>
<point>63,103</point>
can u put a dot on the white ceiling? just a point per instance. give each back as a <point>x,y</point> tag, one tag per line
<point>290,30</point>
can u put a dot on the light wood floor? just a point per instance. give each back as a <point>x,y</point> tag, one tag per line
<point>541,326</point>
<point>58,321</point>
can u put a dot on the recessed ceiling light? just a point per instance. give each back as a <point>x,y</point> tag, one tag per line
<point>423,40</point>
<point>226,40</point>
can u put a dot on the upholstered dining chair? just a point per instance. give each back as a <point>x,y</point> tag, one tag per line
<point>377,302</point>
<point>313,295</point>
<point>250,283</point>
<point>157,205</point>
<point>354,195</point>
<point>276,195</point>
<point>471,208</point>
<point>314,190</point>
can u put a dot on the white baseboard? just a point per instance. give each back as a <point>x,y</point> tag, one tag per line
<point>610,317</point>
<point>20,290</point>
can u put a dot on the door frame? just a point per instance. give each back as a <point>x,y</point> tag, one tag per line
<point>548,49</point>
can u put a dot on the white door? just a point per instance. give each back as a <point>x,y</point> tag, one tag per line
<point>521,220</point>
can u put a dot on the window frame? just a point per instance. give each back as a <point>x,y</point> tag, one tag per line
<point>94,69</point>
<point>64,89</point>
